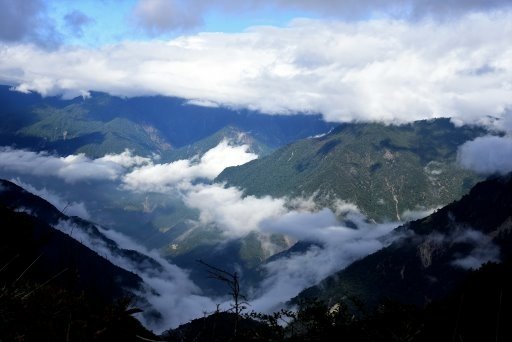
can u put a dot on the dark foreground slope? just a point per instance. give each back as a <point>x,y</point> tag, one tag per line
<point>434,254</point>
<point>384,170</point>
<point>54,288</point>
<point>27,237</point>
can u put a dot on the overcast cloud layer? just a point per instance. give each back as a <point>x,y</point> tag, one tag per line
<point>383,70</point>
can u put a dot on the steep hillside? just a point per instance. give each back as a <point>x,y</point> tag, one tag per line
<point>54,288</point>
<point>384,170</point>
<point>434,254</point>
<point>27,234</point>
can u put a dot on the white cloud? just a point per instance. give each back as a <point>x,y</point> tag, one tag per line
<point>229,210</point>
<point>383,70</point>
<point>487,155</point>
<point>236,215</point>
<point>72,168</point>
<point>126,159</point>
<point>484,250</point>
<point>71,208</point>
<point>336,246</point>
<point>160,177</point>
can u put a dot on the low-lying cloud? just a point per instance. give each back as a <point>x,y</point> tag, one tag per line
<point>338,236</point>
<point>487,155</point>
<point>335,245</point>
<point>160,177</point>
<point>484,250</point>
<point>134,172</point>
<point>72,168</point>
<point>169,289</point>
<point>229,210</point>
<point>71,208</point>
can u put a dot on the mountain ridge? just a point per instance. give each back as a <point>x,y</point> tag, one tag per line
<point>384,170</point>
<point>434,254</point>
<point>101,124</point>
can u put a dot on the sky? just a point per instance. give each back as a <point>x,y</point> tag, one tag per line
<point>391,61</point>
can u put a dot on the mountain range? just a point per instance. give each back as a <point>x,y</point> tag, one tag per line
<point>102,124</point>
<point>385,173</point>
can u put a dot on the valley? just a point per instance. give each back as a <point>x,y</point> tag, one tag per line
<point>178,205</point>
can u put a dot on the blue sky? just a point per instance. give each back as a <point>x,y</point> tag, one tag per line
<point>114,21</point>
<point>109,20</point>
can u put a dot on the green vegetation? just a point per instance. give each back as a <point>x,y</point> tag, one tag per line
<point>104,124</point>
<point>404,292</point>
<point>71,130</point>
<point>200,147</point>
<point>419,267</point>
<point>477,310</point>
<point>384,170</point>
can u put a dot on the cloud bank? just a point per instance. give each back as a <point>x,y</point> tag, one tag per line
<point>487,155</point>
<point>376,70</point>
<point>71,169</point>
<point>134,172</point>
<point>160,177</point>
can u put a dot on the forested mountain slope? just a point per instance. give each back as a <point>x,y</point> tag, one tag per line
<point>384,170</point>
<point>433,255</point>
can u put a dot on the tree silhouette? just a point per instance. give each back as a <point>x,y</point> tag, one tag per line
<point>232,280</point>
